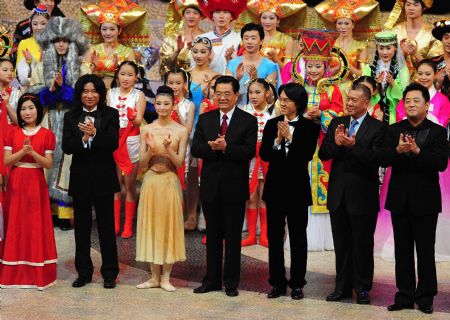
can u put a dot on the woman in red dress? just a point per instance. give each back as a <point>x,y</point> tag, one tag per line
<point>29,251</point>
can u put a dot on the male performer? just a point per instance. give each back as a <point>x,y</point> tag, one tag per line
<point>353,142</point>
<point>226,141</point>
<point>417,149</point>
<point>441,31</point>
<point>91,135</point>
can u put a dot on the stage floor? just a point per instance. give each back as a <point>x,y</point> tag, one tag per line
<point>126,302</point>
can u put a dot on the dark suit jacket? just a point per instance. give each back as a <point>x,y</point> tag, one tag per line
<point>225,171</point>
<point>287,177</point>
<point>414,184</point>
<point>354,171</point>
<point>93,171</point>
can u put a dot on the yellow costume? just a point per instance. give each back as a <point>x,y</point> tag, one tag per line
<point>30,73</point>
<point>279,43</point>
<point>6,42</point>
<point>107,66</point>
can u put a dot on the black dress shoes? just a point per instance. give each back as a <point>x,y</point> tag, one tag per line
<point>339,295</point>
<point>205,289</point>
<point>80,282</point>
<point>426,308</point>
<point>64,224</point>
<point>109,283</point>
<point>363,297</point>
<point>276,292</point>
<point>297,294</point>
<point>397,307</point>
<point>231,292</point>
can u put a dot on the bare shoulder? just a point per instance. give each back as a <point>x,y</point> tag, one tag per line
<point>180,129</point>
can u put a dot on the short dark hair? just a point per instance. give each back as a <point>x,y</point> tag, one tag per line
<point>165,91</point>
<point>192,7</point>
<point>115,82</point>
<point>99,86</point>
<point>417,87</point>
<point>297,93</point>
<point>7,60</point>
<point>253,27</point>
<point>362,88</point>
<point>418,1</point>
<point>228,79</point>
<point>428,62</point>
<point>367,79</point>
<point>37,103</point>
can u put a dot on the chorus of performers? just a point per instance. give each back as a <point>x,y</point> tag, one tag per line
<point>357,107</point>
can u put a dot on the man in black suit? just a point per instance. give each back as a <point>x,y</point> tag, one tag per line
<point>91,134</point>
<point>417,149</point>
<point>226,141</point>
<point>288,144</point>
<point>353,142</point>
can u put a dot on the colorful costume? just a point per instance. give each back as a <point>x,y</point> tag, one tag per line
<point>365,16</point>
<point>29,251</point>
<point>439,29</point>
<point>326,95</point>
<point>426,44</point>
<point>258,171</point>
<point>59,101</point>
<point>221,42</point>
<point>132,20</point>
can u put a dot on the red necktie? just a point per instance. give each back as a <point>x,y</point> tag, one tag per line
<point>224,126</point>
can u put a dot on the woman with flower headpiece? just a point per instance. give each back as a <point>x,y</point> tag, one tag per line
<point>276,15</point>
<point>414,35</point>
<point>29,54</point>
<point>114,28</point>
<point>182,27</point>
<point>64,44</point>
<point>312,68</point>
<point>351,19</point>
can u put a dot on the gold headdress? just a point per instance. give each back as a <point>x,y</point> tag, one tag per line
<point>364,13</point>
<point>131,18</point>
<point>174,18</point>
<point>6,42</point>
<point>398,14</point>
<point>290,12</point>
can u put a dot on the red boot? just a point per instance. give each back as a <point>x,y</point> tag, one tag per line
<point>252,216</point>
<point>117,206</point>
<point>263,241</point>
<point>130,208</point>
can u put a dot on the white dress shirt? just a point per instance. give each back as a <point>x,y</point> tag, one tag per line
<point>277,146</point>
<point>87,145</point>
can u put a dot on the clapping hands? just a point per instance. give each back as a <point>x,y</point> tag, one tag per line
<point>406,144</point>
<point>341,137</point>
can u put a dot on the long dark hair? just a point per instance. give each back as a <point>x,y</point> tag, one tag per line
<point>99,86</point>
<point>35,99</point>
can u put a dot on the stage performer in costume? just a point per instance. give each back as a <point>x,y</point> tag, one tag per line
<point>357,22</point>
<point>64,44</point>
<point>413,33</point>
<point>130,103</point>
<point>182,27</point>
<point>29,250</point>
<point>114,29</point>
<point>324,103</point>
<point>252,64</point>
<point>278,46</point>
<point>160,232</point>
<point>441,31</point>
<point>29,66</point>
<point>224,39</point>
<point>258,92</point>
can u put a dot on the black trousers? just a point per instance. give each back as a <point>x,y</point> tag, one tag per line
<point>224,221</point>
<point>353,247</point>
<point>104,209</point>
<point>297,219</point>
<point>421,231</point>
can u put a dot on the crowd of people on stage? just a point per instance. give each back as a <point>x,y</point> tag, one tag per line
<point>335,130</point>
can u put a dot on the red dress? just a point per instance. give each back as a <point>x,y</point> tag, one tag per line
<point>29,251</point>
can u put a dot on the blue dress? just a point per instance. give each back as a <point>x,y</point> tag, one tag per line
<point>197,98</point>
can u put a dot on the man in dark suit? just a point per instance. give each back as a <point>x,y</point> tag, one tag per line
<point>91,134</point>
<point>288,144</point>
<point>417,149</point>
<point>226,141</point>
<point>353,142</point>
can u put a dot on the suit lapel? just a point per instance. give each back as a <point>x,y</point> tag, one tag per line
<point>363,127</point>
<point>98,120</point>
<point>233,122</point>
<point>214,127</point>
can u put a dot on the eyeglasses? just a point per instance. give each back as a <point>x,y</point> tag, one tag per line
<point>223,94</point>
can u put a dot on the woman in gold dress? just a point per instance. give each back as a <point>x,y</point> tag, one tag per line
<point>182,27</point>
<point>348,17</point>
<point>160,228</point>
<point>413,33</point>
<point>277,46</point>
<point>114,28</point>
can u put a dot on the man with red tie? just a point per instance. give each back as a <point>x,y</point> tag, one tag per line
<point>226,141</point>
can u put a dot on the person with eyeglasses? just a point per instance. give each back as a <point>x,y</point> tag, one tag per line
<point>225,139</point>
